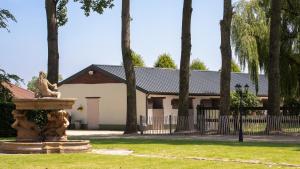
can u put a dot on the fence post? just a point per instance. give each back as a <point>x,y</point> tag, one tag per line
<point>170,123</point>
<point>141,125</point>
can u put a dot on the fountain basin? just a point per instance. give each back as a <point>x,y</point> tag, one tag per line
<point>71,146</point>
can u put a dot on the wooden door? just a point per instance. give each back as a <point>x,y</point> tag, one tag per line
<point>93,112</point>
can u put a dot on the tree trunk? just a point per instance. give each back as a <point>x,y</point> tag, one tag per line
<point>183,109</point>
<point>52,28</point>
<point>226,66</point>
<point>274,76</point>
<point>131,120</point>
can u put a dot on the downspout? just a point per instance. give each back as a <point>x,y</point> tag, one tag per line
<point>147,95</point>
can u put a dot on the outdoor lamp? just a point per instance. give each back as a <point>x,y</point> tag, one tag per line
<point>91,73</point>
<point>238,88</point>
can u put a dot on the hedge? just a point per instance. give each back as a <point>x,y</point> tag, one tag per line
<point>6,120</point>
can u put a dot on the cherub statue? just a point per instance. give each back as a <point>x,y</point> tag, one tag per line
<point>43,85</point>
<point>57,124</point>
<point>26,129</point>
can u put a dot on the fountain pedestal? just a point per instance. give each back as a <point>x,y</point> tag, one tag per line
<point>52,137</point>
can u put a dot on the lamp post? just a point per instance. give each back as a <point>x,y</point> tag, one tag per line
<point>241,92</point>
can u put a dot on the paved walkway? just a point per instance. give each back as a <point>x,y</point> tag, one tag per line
<point>96,134</point>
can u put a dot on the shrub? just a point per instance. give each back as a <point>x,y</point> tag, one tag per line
<point>291,106</point>
<point>6,120</point>
<point>39,117</point>
<point>249,100</point>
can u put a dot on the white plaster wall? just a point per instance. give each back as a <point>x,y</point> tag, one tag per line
<point>112,102</point>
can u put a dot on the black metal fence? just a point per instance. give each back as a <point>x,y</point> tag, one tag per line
<point>256,121</point>
<point>208,121</point>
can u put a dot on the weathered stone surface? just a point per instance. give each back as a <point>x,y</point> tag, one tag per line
<point>26,130</point>
<point>74,146</point>
<point>55,130</point>
<point>52,138</point>
<point>44,104</point>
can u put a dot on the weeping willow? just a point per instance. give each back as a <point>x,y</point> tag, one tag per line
<point>250,39</point>
<point>290,49</point>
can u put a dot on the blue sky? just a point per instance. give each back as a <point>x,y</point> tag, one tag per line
<point>155,29</point>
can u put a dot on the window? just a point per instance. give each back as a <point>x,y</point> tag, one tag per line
<point>175,103</point>
<point>215,102</point>
<point>206,103</point>
<point>155,103</point>
<point>210,102</point>
<point>150,104</point>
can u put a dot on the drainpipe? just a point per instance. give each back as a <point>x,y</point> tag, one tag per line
<point>147,95</point>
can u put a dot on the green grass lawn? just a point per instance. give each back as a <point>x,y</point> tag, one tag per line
<point>174,153</point>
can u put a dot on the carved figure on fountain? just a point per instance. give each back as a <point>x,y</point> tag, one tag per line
<point>56,127</point>
<point>26,130</point>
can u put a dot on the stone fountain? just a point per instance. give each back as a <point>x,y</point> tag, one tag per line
<point>52,137</point>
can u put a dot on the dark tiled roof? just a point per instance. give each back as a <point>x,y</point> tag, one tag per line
<point>166,81</point>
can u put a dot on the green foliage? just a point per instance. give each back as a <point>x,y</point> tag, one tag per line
<point>5,78</point>
<point>165,61</point>
<point>250,36</point>
<point>137,60</point>
<point>61,12</point>
<point>5,15</point>
<point>249,100</point>
<point>6,119</point>
<point>87,5</point>
<point>39,117</point>
<point>292,105</point>
<point>197,64</point>
<point>290,49</point>
<point>235,67</point>
<point>95,5</point>
<point>32,84</point>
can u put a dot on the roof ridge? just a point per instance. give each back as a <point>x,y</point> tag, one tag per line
<point>160,68</point>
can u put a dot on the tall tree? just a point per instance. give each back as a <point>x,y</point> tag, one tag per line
<point>274,51</point>
<point>251,34</point>
<point>131,120</point>
<point>226,58</point>
<point>250,37</point>
<point>183,109</point>
<point>5,15</point>
<point>52,33</point>
<point>136,59</point>
<point>56,12</point>
<point>226,63</point>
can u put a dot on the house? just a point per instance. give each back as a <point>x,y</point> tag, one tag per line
<point>101,93</point>
<point>18,92</point>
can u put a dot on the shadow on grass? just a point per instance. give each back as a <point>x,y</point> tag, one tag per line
<point>138,141</point>
<point>192,142</point>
